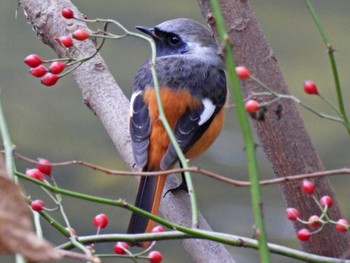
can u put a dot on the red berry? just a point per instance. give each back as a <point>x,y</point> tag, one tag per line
<point>342,225</point>
<point>155,257</point>
<point>252,106</point>
<point>326,201</point>
<point>310,87</point>
<point>44,166</point>
<point>308,187</point>
<point>67,13</point>
<point>157,229</point>
<point>120,248</point>
<point>101,221</point>
<point>35,173</point>
<point>81,34</point>
<point>49,79</point>
<point>37,205</point>
<point>292,213</point>
<point>38,71</point>
<point>66,41</point>
<point>314,221</point>
<point>242,72</point>
<point>33,60</point>
<point>57,67</point>
<point>303,234</point>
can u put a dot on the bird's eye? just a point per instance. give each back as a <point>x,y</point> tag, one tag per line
<point>174,40</point>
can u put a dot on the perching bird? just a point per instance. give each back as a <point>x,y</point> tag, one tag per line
<point>193,92</point>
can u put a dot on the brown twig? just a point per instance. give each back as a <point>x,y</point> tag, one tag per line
<point>194,169</point>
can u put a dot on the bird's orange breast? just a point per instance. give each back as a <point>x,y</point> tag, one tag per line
<point>175,103</point>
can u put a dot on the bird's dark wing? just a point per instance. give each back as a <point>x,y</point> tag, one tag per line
<point>140,128</point>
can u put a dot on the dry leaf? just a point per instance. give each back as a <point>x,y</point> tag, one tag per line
<point>16,233</point>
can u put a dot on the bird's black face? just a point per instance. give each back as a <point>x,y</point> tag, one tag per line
<point>167,43</point>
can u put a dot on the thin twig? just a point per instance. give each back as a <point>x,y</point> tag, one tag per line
<point>198,170</point>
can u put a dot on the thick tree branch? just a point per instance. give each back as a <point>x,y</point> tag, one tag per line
<point>103,96</point>
<point>284,140</point>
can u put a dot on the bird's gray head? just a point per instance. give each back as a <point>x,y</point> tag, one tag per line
<point>181,36</point>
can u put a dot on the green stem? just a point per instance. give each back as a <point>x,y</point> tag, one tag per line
<point>317,22</point>
<point>9,161</point>
<point>52,221</point>
<point>174,142</point>
<point>332,60</point>
<point>338,89</point>
<point>232,240</point>
<point>249,144</point>
<point>8,146</point>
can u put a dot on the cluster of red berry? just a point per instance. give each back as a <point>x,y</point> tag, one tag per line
<point>253,105</point>
<point>49,76</point>
<point>121,248</point>
<point>43,168</point>
<point>315,221</point>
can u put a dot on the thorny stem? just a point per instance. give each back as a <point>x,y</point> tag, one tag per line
<point>249,144</point>
<point>8,146</point>
<point>232,240</point>
<point>331,51</point>
<point>9,161</point>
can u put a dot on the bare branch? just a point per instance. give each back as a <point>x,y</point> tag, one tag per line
<point>198,170</point>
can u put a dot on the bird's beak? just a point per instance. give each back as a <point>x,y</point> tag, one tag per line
<point>147,30</point>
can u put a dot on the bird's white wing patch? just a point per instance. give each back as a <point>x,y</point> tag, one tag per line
<point>208,111</point>
<point>132,100</point>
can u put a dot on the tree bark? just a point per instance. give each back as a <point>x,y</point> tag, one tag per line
<point>104,97</point>
<point>284,139</point>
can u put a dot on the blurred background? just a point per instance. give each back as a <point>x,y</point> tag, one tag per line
<point>55,124</point>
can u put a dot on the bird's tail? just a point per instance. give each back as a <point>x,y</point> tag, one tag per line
<point>148,198</point>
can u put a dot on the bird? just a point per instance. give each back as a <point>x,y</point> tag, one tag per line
<point>192,85</point>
